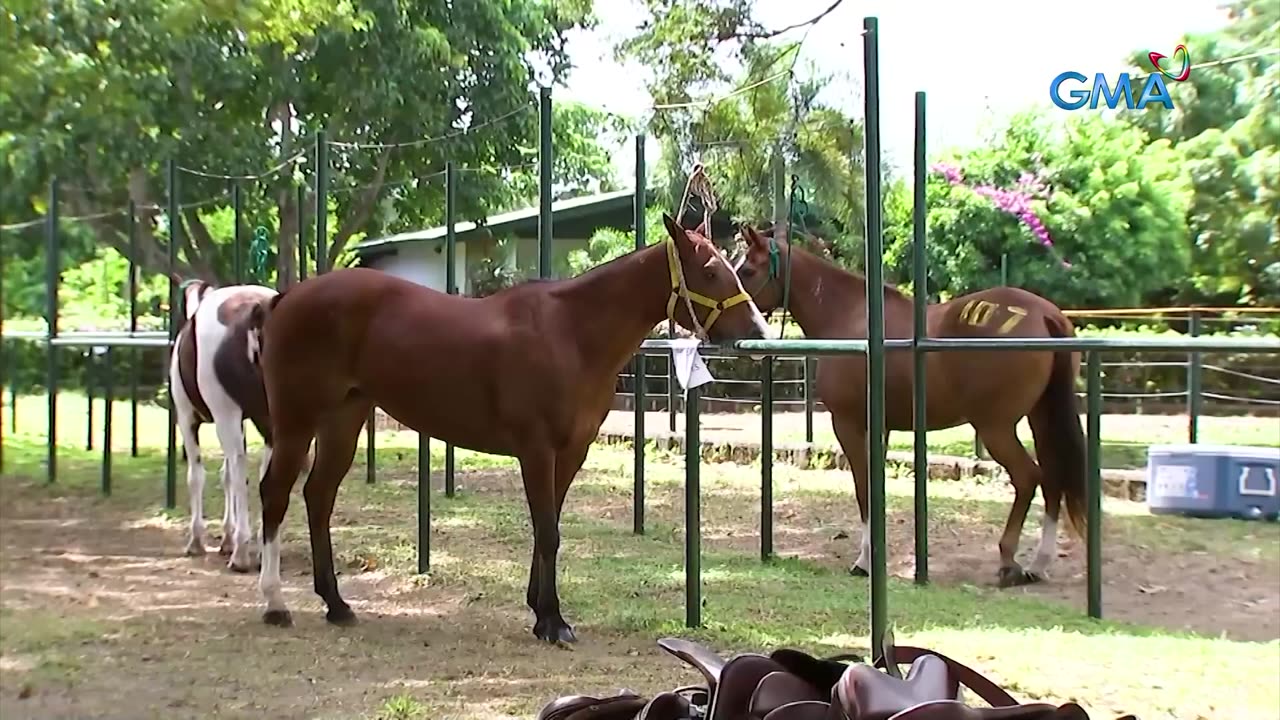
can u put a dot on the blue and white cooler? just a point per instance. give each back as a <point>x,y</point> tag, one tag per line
<point>1213,481</point>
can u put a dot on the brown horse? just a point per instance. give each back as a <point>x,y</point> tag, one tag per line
<point>527,372</point>
<point>990,390</point>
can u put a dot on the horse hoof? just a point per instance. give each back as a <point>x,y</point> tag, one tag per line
<point>242,568</point>
<point>556,633</point>
<point>856,571</point>
<point>279,618</point>
<point>195,548</point>
<point>227,547</point>
<point>1014,576</point>
<point>341,616</point>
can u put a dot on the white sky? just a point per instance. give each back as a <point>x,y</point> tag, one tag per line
<point>977,60</point>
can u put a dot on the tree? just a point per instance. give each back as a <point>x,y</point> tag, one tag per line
<point>701,49</point>
<point>99,94</point>
<point>1225,124</point>
<point>1112,207</point>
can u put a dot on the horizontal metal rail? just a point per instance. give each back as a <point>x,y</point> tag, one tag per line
<point>64,341</point>
<point>104,336</point>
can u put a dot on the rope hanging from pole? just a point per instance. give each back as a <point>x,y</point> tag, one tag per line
<point>700,185</point>
<point>259,254</point>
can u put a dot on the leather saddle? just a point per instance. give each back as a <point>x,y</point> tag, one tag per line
<point>789,684</point>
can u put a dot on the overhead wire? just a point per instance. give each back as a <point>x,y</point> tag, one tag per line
<point>430,140</point>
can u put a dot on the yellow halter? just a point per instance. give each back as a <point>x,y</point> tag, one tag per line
<point>679,289</point>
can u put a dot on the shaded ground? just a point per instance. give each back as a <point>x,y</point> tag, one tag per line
<point>103,617</point>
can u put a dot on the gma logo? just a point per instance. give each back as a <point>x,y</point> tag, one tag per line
<point>1154,90</point>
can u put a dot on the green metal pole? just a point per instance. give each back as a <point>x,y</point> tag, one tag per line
<point>1094,465</point>
<point>545,151</point>
<point>875,333</point>
<point>766,458</point>
<point>810,369</point>
<point>692,509</point>
<point>237,245</point>
<point>450,284</point>
<point>302,235</point>
<point>1004,268</point>
<point>370,449</point>
<point>673,398</point>
<point>920,286</point>
<point>639,204</point>
<point>108,395</point>
<point>135,355</point>
<point>52,273</point>
<point>778,173</point>
<point>175,235</point>
<point>424,503</point>
<point>322,203</point>
<point>1194,374</point>
<point>88,396</point>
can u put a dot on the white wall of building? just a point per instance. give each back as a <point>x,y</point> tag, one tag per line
<point>424,263</point>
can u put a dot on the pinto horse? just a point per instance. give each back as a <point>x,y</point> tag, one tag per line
<point>527,372</point>
<point>214,380</point>
<point>990,390</point>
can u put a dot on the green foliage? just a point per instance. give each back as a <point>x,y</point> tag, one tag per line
<point>1226,126</point>
<point>101,94</point>
<point>94,295</point>
<point>609,243</point>
<point>693,48</point>
<point>1115,210</point>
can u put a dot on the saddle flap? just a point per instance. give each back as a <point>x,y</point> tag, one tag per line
<point>704,659</point>
<point>666,706</point>
<point>821,673</point>
<point>738,682</point>
<point>956,710</point>
<point>865,693</point>
<point>781,688</point>
<point>587,707</point>
<point>801,710</point>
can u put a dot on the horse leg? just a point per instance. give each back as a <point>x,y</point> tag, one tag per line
<point>335,449</point>
<point>228,543</point>
<point>195,482</point>
<point>282,472</point>
<point>1047,548</point>
<point>538,468</point>
<point>853,440</point>
<point>230,426</point>
<point>568,463</point>
<point>1005,448</point>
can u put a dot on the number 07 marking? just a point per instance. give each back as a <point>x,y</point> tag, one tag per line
<point>1015,316</point>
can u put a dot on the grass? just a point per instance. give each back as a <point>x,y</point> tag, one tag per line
<point>622,591</point>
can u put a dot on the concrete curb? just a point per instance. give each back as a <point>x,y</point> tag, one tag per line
<point>1124,484</point>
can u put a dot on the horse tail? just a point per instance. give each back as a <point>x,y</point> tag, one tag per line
<point>1062,449</point>
<point>257,321</point>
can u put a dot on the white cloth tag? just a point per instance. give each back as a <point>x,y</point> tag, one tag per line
<point>691,370</point>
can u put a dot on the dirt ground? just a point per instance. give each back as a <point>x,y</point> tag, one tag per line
<point>156,634</point>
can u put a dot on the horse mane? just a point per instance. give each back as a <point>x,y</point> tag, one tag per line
<point>808,240</point>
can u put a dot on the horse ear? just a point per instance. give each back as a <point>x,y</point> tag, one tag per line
<point>673,228</point>
<point>678,233</point>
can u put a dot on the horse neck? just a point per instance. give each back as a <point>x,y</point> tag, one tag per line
<point>826,300</point>
<point>614,306</point>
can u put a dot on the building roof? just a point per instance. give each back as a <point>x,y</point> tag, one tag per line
<point>596,210</point>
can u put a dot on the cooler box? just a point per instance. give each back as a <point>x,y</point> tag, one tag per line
<point>1214,481</point>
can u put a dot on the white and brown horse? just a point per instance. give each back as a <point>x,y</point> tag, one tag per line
<point>214,378</point>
